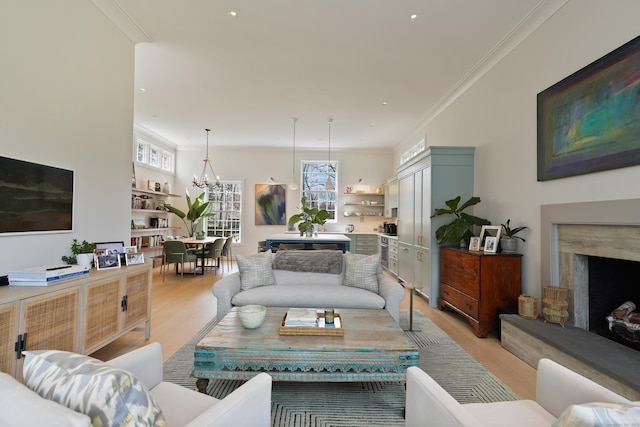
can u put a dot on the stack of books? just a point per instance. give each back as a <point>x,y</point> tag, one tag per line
<point>45,276</point>
<point>301,317</point>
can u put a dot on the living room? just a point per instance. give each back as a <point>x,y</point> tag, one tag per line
<point>68,101</point>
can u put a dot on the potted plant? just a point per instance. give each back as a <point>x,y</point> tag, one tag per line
<point>197,210</point>
<point>308,217</point>
<point>81,253</point>
<point>458,230</point>
<point>508,238</point>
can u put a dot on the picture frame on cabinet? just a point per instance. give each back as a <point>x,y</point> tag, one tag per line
<point>107,260</point>
<point>491,244</point>
<point>129,250</point>
<point>489,231</point>
<point>474,243</point>
<point>133,258</point>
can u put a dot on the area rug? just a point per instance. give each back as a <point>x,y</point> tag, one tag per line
<point>368,404</point>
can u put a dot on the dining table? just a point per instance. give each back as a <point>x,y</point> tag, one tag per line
<point>199,245</point>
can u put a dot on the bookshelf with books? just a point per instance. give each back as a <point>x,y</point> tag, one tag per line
<point>149,220</point>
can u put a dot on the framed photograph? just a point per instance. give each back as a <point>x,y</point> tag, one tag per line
<point>489,231</point>
<point>129,249</point>
<point>132,258</point>
<point>106,260</point>
<point>491,244</point>
<point>137,223</point>
<point>589,122</point>
<point>474,243</point>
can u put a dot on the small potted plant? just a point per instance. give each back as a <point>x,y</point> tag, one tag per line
<point>508,238</point>
<point>308,217</point>
<point>458,230</point>
<point>81,253</point>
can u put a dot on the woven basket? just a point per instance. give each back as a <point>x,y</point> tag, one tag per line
<point>527,307</point>
<point>554,305</point>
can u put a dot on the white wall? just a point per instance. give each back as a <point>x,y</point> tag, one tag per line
<point>498,116</point>
<point>67,101</point>
<point>255,166</point>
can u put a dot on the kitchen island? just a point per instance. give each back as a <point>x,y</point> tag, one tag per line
<point>342,241</point>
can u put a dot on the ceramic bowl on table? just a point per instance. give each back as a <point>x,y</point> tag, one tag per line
<point>252,316</point>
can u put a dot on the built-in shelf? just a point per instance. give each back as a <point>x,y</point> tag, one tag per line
<point>363,194</point>
<point>152,192</point>
<point>142,230</point>
<point>150,211</point>
<point>368,205</point>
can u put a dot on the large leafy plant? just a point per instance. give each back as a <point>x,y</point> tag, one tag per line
<point>308,217</point>
<point>198,209</point>
<point>460,228</point>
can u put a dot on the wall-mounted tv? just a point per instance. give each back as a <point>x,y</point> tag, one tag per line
<point>35,198</point>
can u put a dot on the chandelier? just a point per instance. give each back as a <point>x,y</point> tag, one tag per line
<point>203,181</point>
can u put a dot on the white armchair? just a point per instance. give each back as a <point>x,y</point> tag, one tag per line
<point>557,388</point>
<point>249,405</point>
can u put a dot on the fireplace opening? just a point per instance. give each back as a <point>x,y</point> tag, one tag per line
<point>612,282</point>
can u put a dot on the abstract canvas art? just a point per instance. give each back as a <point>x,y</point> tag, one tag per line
<point>590,121</point>
<point>271,208</point>
<point>34,197</point>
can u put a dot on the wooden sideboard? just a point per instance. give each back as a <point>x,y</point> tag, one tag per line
<point>80,315</point>
<point>476,284</point>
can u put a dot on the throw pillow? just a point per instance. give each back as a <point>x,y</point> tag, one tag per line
<point>109,396</point>
<point>255,270</point>
<point>600,415</point>
<point>361,271</point>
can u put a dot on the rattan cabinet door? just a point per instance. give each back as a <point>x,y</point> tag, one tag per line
<point>138,299</point>
<point>102,312</point>
<point>8,337</point>
<point>51,321</point>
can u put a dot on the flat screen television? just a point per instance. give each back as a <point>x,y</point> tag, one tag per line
<point>35,198</point>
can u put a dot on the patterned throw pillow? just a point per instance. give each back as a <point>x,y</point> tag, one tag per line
<point>600,415</point>
<point>255,270</point>
<point>362,271</point>
<point>109,396</point>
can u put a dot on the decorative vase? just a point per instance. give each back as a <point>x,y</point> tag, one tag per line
<point>84,260</point>
<point>309,232</point>
<point>508,245</point>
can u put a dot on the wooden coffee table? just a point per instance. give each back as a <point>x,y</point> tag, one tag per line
<point>373,348</point>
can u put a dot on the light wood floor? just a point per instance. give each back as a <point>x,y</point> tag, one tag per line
<point>180,308</point>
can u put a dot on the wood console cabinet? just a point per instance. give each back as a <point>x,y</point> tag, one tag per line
<point>476,284</point>
<point>81,315</point>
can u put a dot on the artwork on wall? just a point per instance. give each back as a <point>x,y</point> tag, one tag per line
<point>35,198</point>
<point>271,206</point>
<point>590,121</point>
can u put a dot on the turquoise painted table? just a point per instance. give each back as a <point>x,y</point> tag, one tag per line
<point>373,348</point>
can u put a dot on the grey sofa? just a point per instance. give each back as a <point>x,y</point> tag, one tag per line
<point>310,278</point>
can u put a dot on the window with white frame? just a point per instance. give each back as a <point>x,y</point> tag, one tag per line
<point>155,156</point>
<point>226,202</point>
<point>314,180</point>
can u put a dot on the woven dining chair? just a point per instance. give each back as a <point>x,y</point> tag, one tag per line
<point>176,252</point>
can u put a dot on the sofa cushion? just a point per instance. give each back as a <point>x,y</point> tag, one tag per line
<point>109,396</point>
<point>316,261</point>
<point>308,295</point>
<point>362,271</point>
<point>255,270</point>
<point>600,414</point>
<point>20,406</point>
<point>521,413</point>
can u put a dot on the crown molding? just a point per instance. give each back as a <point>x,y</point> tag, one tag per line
<point>112,10</point>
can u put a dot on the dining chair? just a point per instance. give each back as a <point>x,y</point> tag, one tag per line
<point>226,250</point>
<point>176,252</point>
<point>213,251</point>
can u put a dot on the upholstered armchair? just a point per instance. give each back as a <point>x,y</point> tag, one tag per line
<point>249,405</point>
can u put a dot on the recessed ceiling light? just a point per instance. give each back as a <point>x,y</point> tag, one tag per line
<point>233,13</point>
<point>384,103</point>
<point>142,89</point>
<point>414,17</point>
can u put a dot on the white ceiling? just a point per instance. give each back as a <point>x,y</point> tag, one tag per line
<point>246,77</point>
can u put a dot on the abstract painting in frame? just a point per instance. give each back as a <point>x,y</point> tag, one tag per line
<point>590,121</point>
<point>35,198</point>
<point>271,207</point>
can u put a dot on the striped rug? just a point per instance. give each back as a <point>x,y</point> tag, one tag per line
<point>361,404</point>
